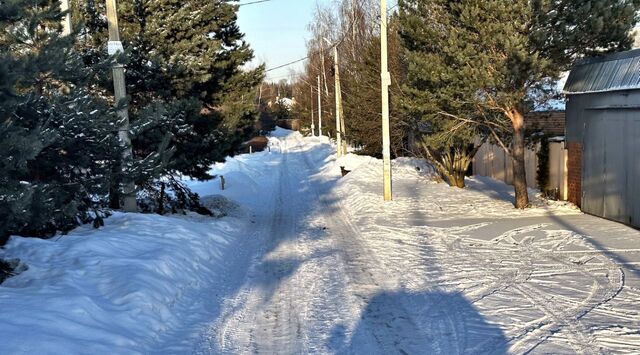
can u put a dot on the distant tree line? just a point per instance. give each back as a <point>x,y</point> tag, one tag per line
<point>463,72</point>
<point>190,104</point>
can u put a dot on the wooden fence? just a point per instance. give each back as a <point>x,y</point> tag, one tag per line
<point>492,161</point>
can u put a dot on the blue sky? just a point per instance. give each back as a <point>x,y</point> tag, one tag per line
<point>277,32</point>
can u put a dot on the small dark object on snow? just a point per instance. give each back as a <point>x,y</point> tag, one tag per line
<point>10,268</point>
<point>98,222</point>
<point>221,182</point>
<point>201,210</point>
<point>344,171</point>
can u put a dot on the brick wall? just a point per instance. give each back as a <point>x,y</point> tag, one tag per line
<point>550,122</point>
<point>574,167</point>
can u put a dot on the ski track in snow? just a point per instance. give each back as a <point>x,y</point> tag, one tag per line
<point>343,273</point>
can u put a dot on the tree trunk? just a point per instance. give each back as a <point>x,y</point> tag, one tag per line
<point>517,157</point>
<point>456,180</point>
<point>161,199</point>
<point>452,165</point>
<point>114,188</point>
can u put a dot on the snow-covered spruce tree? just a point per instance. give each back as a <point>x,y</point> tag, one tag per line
<point>56,142</point>
<point>184,78</point>
<point>180,51</point>
<point>510,50</point>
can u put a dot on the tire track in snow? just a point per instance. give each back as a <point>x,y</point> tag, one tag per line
<point>556,318</point>
<point>294,292</point>
<point>265,320</point>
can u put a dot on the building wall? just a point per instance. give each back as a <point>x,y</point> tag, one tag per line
<point>549,122</point>
<point>578,107</point>
<point>574,171</point>
<point>604,154</point>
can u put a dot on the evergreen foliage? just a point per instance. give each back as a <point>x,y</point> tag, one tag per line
<point>362,98</point>
<point>57,143</point>
<point>438,93</point>
<point>190,104</point>
<point>186,56</point>
<point>507,55</point>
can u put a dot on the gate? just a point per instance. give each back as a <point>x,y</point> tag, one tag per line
<point>611,164</point>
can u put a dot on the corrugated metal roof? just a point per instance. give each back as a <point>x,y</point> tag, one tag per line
<point>620,71</point>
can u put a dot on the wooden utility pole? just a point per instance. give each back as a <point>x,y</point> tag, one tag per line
<point>313,124</point>
<point>120,93</point>
<point>319,108</point>
<point>340,149</point>
<point>66,21</point>
<point>386,82</point>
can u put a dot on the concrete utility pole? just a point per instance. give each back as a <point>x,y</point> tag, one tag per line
<point>313,124</point>
<point>340,149</point>
<point>319,108</point>
<point>120,91</point>
<point>386,82</point>
<point>66,21</point>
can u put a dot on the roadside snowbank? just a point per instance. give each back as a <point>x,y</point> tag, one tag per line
<point>148,283</point>
<point>415,185</point>
<point>143,283</point>
<point>110,290</point>
<point>135,284</point>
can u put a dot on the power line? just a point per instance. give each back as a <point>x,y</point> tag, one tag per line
<point>288,64</point>
<point>253,2</point>
<point>344,35</point>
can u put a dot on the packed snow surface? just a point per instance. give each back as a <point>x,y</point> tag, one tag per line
<point>312,262</point>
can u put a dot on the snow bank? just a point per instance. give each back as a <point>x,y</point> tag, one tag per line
<point>137,282</point>
<point>415,184</point>
<point>110,290</point>
<point>143,283</point>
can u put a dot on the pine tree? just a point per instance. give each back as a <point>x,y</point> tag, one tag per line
<point>362,97</point>
<point>188,55</point>
<point>56,142</point>
<point>509,54</point>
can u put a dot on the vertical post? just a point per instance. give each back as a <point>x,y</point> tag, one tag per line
<point>120,92</point>
<point>386,82</point>
<point>319,108</point>
<point>338,102</point>
<point>313,124</point>
<point>343,131</point>
<point>66,21</point>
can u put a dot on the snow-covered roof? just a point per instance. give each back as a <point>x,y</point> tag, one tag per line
<point>620,71</point>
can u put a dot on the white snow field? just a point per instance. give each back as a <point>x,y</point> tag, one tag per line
<point>314,263</point>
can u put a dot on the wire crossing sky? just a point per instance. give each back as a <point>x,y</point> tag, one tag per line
<point>277,32</point>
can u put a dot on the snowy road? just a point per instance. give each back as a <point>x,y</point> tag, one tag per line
<point>312,277</point>
<point>312,262</point>
<point>307,261</point>
<point>338,272</point>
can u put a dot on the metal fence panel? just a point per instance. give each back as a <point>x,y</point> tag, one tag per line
<point>633,166</point>
<point>615,183</point>
<point>593,173</point>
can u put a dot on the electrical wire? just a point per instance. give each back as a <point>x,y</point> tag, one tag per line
<point>288,64</point>
<point>253,2</point>
<point>344,35</point>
